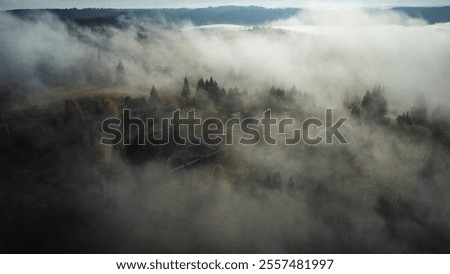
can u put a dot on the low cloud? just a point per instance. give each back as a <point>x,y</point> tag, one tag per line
<point>384,192</point>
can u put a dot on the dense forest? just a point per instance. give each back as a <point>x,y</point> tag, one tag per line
<point>63,191</point>
<point>76,195</point>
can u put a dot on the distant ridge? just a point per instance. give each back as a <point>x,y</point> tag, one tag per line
<point>238,15</point>
<point>432,15</point>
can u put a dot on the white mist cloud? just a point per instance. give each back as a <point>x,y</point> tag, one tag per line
<point>326,52</point>
<point>375,195</point>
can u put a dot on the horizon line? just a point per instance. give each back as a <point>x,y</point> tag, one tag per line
<point>237,6</point>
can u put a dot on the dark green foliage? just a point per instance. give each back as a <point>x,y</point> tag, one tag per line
<point>404,119</point>
<point>355,111</point>
<point>200,93</point>
<point>154,100</point>
<point>374,106</point>
<point>214,91</point>
<point>120,74</point>
<point>209,90</point>
<point>186,91</point>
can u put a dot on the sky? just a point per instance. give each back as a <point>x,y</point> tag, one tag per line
<point>19,4</point>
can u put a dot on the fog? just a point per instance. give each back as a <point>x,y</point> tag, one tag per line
<point>386,191</point>
<point>326,52</point>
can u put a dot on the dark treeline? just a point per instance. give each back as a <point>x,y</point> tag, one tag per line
<point>64,192</point>
<point>61,191</point>
<point>212,15</point>
<point>201,16</point>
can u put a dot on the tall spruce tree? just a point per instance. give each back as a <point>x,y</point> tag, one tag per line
<point>186,91</point>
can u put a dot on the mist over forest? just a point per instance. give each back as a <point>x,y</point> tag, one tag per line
<point>63,72</point>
